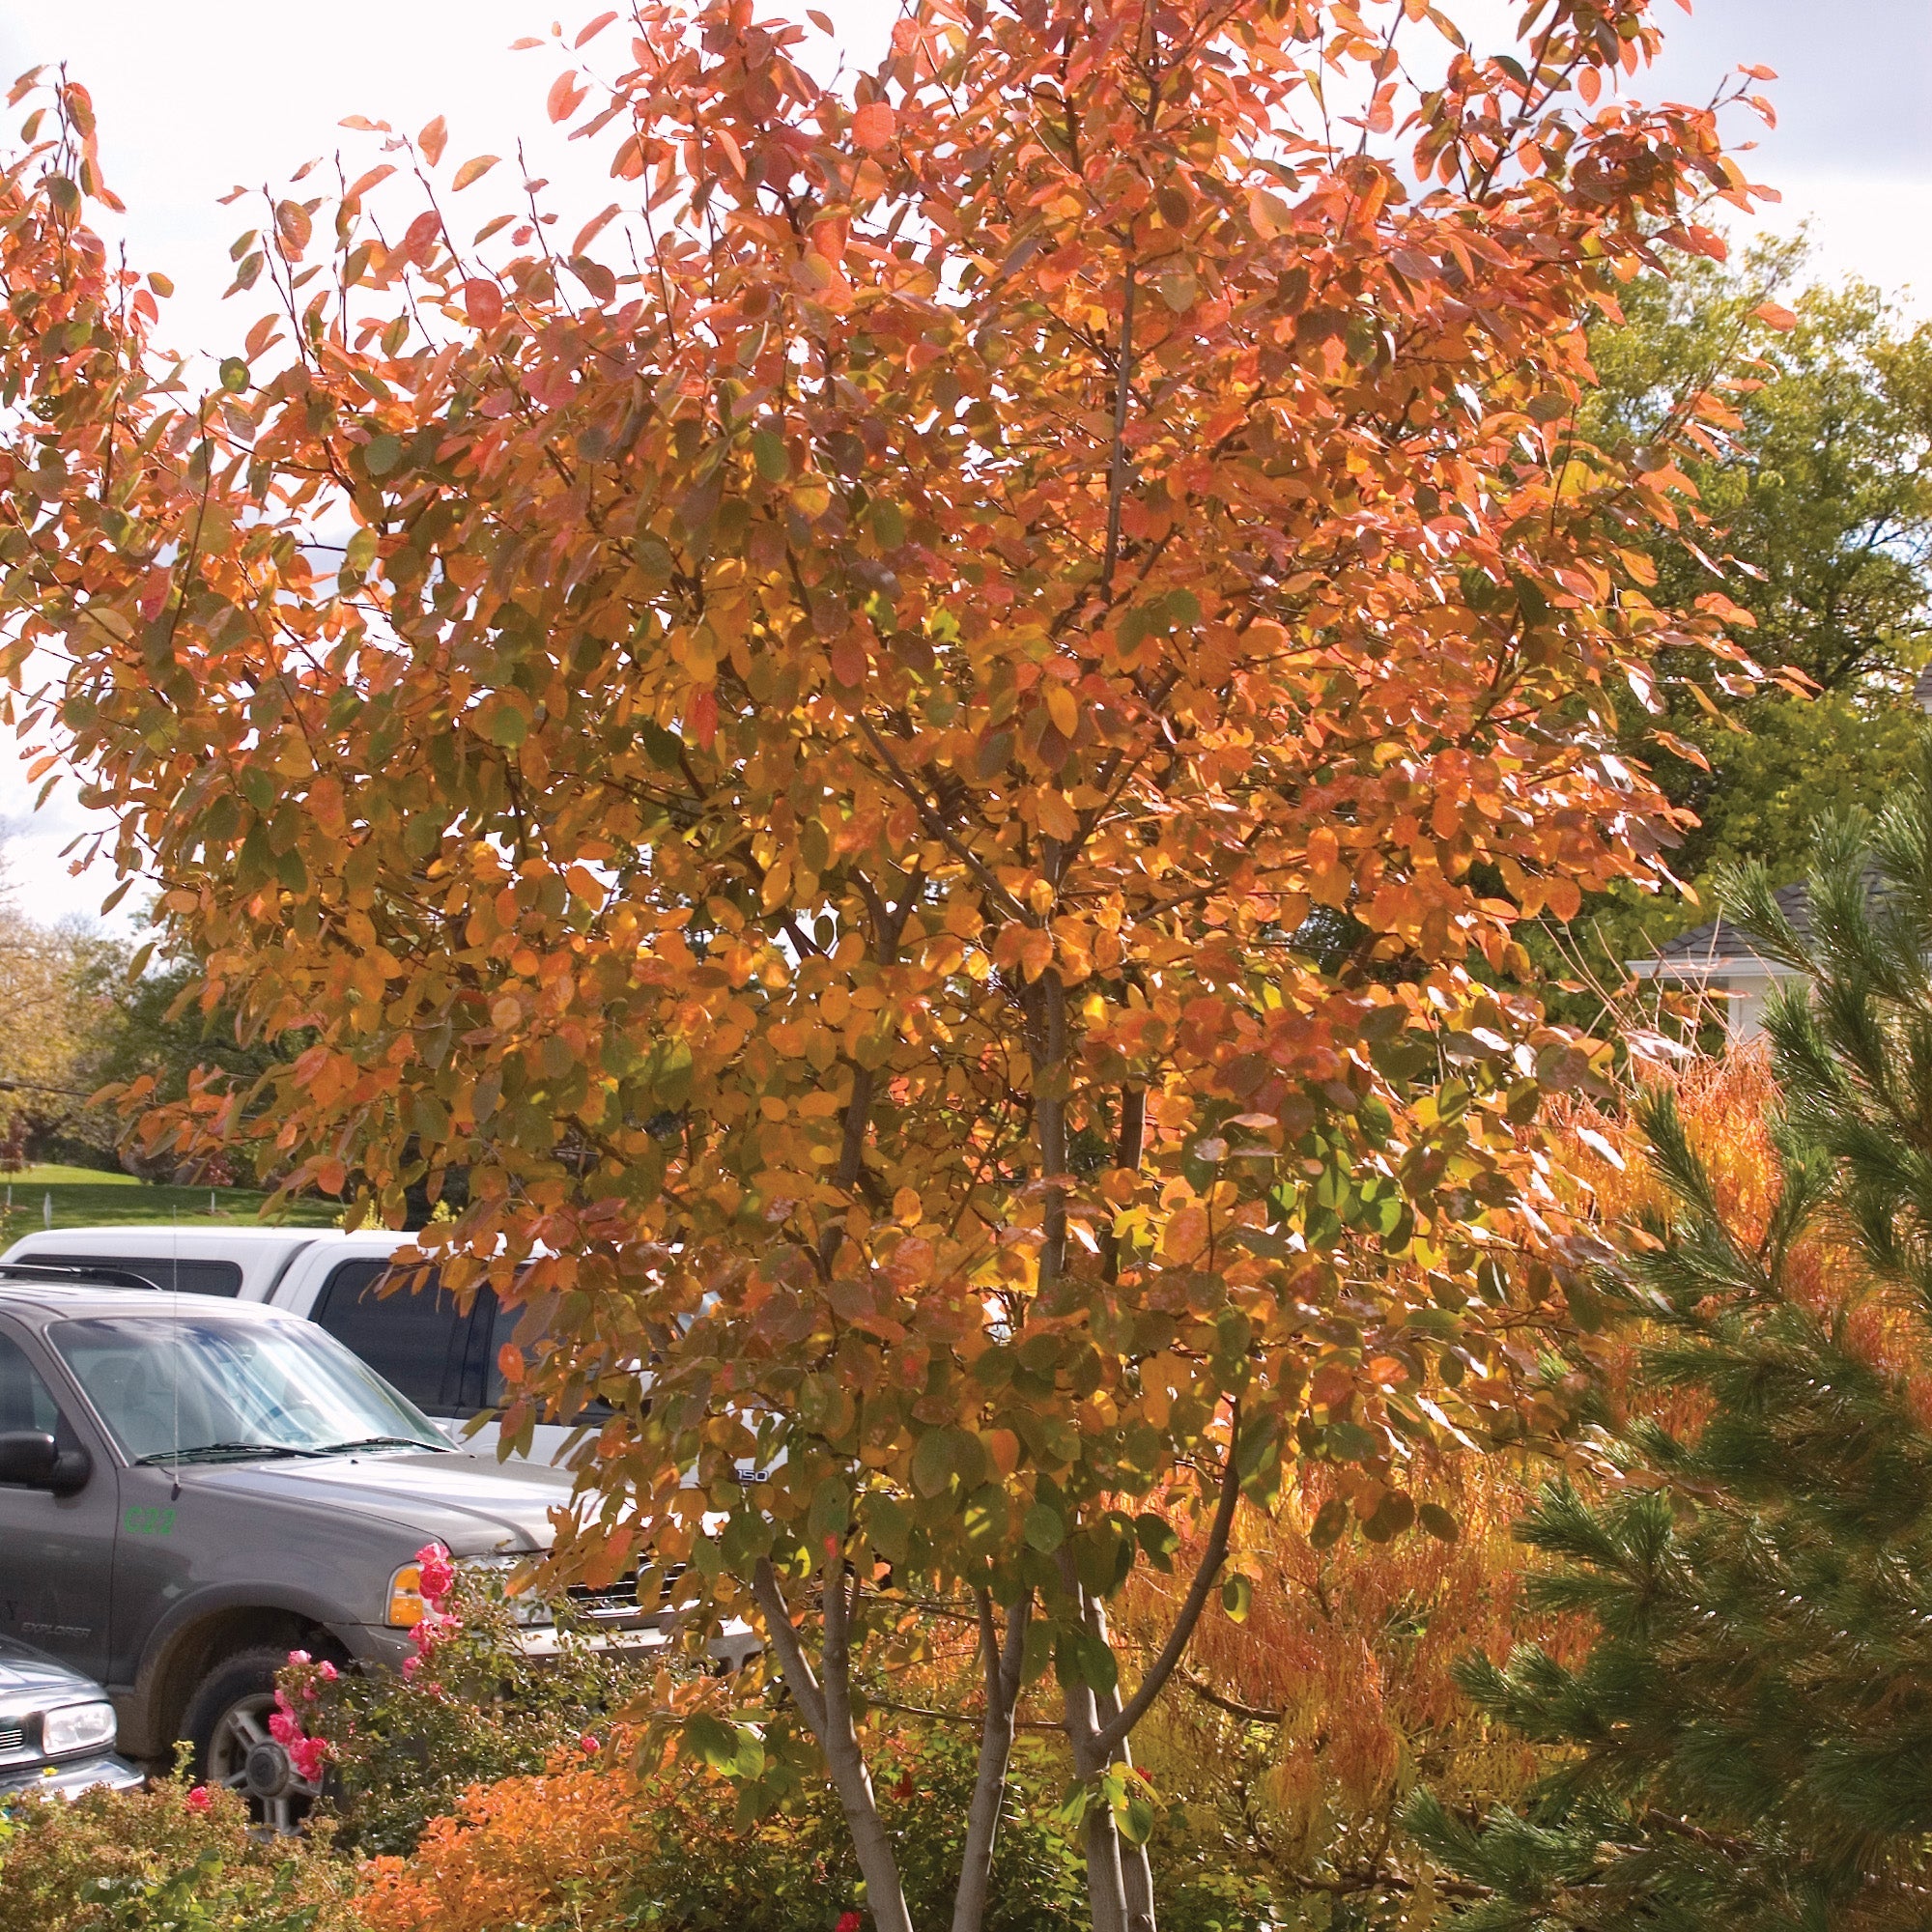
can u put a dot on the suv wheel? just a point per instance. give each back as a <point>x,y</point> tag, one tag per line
<point>227,1722</point>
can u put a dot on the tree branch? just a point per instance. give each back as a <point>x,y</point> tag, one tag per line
<point>1179,1637</point>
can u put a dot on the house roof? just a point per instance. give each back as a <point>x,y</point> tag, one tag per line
<point>1720,943</point>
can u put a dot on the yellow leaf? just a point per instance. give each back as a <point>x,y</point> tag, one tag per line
<point>1062,709</point>
<point>907,1207</point>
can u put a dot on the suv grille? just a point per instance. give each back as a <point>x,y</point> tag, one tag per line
<point>616,1602</point>
<point>13,1737</point>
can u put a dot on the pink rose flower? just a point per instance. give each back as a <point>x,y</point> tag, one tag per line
<point>284,1729</point>
<point>850,1921</point>
<point>308,1755</point>
<point>300,1656</point>
<point>200,1798</point>
<point>437,1572</point>
<point>588,1745</point>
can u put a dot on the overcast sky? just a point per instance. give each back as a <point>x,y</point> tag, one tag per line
<point>195,97</point>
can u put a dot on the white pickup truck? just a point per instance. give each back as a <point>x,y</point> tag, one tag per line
<point>441,1358</point>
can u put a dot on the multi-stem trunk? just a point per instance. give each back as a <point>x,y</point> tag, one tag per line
<point>825,1697</point>
<point>1001,1662</point>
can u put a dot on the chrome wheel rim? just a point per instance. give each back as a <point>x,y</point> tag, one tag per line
<point>245,1759</point>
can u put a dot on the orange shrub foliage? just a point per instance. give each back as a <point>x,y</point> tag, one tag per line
<point>523,1851</point>
<point>1300,1731</point>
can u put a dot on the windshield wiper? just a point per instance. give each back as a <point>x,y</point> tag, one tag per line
<point>211,1452</point>
<point>379,1442</point>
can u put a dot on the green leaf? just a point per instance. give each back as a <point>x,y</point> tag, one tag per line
<point>383,455</point>
<point>733,1750</point>
<point>1329,1522</point>
<point>1439,1522</point>
<point>888,523</point>
<point>887,1523</point>
<point>942,1455</point>
<point>1157,1538</point>
<point>768,452</point>
<point>831,1510</point>
<point>1044,1529</point>
<point>505,725</point>
<point>1237,1597</point>
<point>234,375</point>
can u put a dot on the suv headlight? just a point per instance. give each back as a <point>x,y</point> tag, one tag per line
<point>406,1599</point>
<point>77,1727</point>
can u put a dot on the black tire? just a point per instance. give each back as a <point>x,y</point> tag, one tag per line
<point>227,1722</point>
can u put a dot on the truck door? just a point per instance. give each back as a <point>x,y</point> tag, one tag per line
<point>56,1552</point>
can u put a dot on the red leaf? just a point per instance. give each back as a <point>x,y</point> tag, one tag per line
<point>432,140</point>
<point>704,717</point>
<point>153,596</point>
<point>1773,315</point>
<point>595,28</point>
<point>483,303</point>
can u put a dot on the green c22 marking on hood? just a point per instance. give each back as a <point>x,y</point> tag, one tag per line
<point>148,1519</point>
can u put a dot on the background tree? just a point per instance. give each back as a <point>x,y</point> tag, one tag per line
<point>57,999</point>
<point>1817,504</point>
<point>1745,1743</point>
<point>810,778</point>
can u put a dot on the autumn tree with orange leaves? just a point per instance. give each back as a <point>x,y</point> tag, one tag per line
<point>921,761</point>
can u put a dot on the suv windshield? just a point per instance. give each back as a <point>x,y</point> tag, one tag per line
<point>208,1390</point>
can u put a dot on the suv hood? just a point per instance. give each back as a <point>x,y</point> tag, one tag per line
<point>30,1680</point>
<point>473,1508</point>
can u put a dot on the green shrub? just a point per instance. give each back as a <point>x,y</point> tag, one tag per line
<point>163,1860</point>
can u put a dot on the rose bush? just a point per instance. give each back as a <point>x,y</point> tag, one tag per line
<point>469,1707</point>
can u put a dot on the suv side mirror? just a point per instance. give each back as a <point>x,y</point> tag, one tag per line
<point>28,1456</point>
<point>31,1458</point>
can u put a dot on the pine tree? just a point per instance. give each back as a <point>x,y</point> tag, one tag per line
<point>1747,1741</point>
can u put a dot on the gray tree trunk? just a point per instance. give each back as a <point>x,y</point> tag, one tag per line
<point>827,1704</point>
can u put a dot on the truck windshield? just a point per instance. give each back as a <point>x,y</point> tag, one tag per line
<point>213,1390</point>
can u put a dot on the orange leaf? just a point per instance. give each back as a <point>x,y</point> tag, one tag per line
<point>292,224</point>
<point>474,169</point>
<point>1774,316</point>
<point>595,28</point>
<point>1185,1235</point>
<point>433,139</point>
<point>873,126</point>
<point>565,97</point>
<point>1564,898</point>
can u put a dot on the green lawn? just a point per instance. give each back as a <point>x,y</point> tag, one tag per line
<point>85,1197</point>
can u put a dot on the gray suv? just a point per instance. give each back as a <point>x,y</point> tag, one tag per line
<point>191,1488</point>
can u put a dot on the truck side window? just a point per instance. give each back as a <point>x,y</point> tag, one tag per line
<point>414,1341</point>
<point>25,1402</point>
<point>191,1277</point>
<point>503,1333</point>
